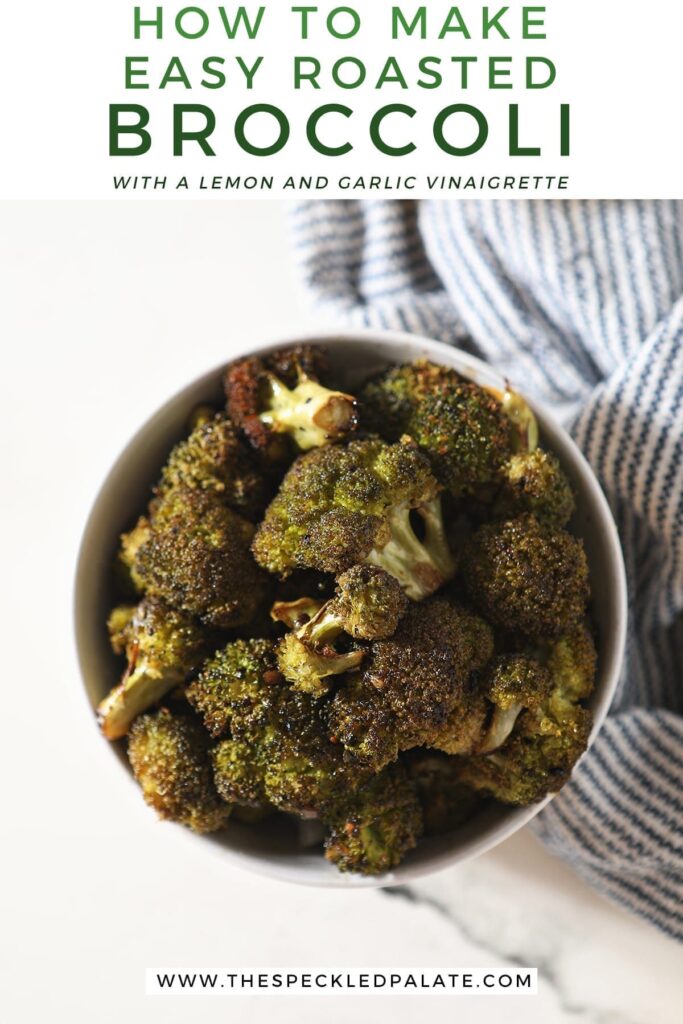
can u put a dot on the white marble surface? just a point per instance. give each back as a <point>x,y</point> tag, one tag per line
<point>107,309</point>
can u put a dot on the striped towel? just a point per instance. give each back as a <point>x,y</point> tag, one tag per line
<point>583,303</point>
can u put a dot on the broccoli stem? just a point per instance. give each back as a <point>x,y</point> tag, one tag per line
<point>311,413</point>
<point>502,724</point>
<point>294,613</point>
<point>141,687</point>
<point>421,567</point>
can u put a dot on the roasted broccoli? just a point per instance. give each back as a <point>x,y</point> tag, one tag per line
<point>278,738</point>
<point>373,830</point>
<point>162,646</point>
<point>526,576</point>
<point>446,802</point>
<point>462,428</point>
<point>414,685</point>
<point>513,683</point>
<point>551,728</point>
<point>197,559</point>
<point>238,773</point>
<point>537,759</point>
<point>366,705</point>
<point>129,579</point>
<point>236,682</point>
<point>169,755</point>
<point>343,505</point>
<point>213,459</point>
<point>572,662</point>
<point>368,604</point>
<point>534,482</point>
<point>280,394</point>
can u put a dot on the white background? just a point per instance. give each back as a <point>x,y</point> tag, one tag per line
<point>105,311</point>
<point>618,65</point>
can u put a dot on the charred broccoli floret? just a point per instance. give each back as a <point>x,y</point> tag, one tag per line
<point>280,394</point>
<point>572,662</point>
<point>280,746</point>
<point>343,505</point>
<point>413,685</point>
<point>537,759</point>
<point>162,646</point>
<point>238,773</point>
<point>197,559</point>
<point>534,482</point>
<point>368,604</point>
<point>446,802</point>
<point>462,427</point>
<point>527,576</point>
<point>513,682</point>
<point>373,830</point>
<point>126,565</point>
<point>236,682</point>
<point>465,726</point>
<point>213,459</point>
<point>170,759</point>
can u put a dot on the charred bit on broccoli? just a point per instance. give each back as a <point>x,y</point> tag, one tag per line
<point>281,395</point>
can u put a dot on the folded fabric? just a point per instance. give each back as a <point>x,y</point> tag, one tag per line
<point>581,303</point>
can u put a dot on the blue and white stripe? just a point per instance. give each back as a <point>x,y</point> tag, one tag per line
<point>583,301</point>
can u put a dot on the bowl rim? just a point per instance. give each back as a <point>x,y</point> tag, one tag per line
<point>481,372</point>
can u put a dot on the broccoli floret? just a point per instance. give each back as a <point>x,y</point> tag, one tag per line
<point>572,662</point>
<point>465,726</point>
<point>462,427</point>
<point>238,773</point>
<point>534,482</point>
<point>305,772</point>
<point>129,578</point>
<point>372,831</point>
<point>281,395</point>
<point>280,734</point>
<point>513,682</point>
<point>170,759</point>
<point>235,683</point>
<point>368,604</point>
<point>362,722</point>
<point>197,559</point>
<point>414,685</point>
<point>213,458</point>
<point>162,647</point>
<point>446,802</point>
<point>344,505</point>
<point>537,759</point>
<point>526,576</point>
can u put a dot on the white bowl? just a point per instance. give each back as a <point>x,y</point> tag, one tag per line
<point>273,849</point>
